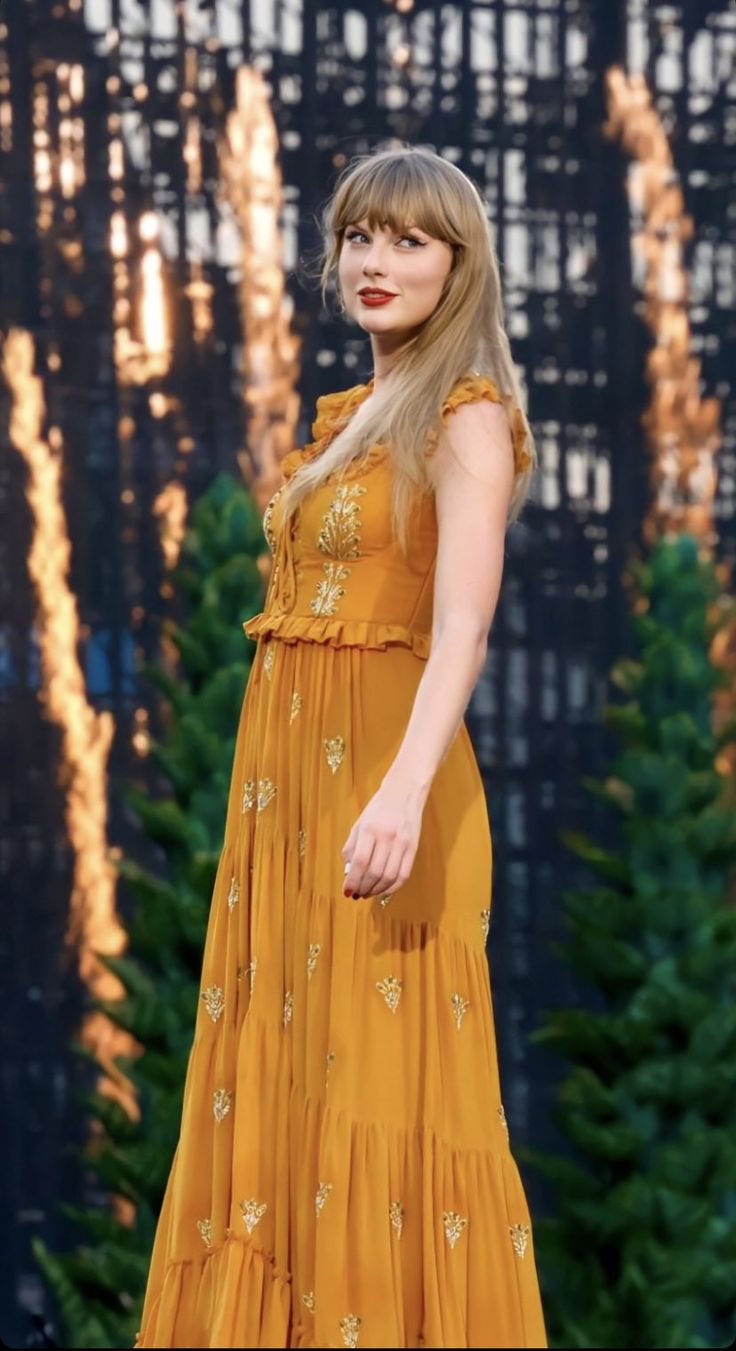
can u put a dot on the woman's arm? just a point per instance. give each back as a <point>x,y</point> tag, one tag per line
<point>473,475</point>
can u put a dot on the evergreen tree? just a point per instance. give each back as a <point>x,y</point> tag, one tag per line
<point>100,1286</point>
<point>640,1246</point>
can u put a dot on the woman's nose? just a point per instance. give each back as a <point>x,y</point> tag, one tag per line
<point>375,259</point>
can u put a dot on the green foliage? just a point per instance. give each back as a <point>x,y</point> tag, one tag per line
<point>640,1249</point>
<point>99,1287</point>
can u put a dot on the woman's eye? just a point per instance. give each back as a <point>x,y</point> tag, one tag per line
<point>359,235</point>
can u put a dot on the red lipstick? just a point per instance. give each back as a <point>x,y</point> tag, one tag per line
<point>373,295</point>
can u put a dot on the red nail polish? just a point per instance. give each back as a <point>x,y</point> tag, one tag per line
<point>347,893</point>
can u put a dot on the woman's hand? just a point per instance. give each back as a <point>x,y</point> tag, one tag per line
<point>380,850</point>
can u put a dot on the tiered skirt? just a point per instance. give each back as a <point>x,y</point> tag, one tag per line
<point>343,1175</point>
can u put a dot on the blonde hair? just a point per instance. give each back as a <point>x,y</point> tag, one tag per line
<point>464,335</point>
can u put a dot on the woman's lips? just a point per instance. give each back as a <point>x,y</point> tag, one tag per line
<point>375,300</point>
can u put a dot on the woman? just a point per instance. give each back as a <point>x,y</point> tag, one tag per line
<point>343,1175</point>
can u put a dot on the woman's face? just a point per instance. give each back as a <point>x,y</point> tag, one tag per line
<point>411,267</point>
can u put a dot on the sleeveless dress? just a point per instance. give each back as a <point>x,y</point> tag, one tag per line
<point>343,1176</point>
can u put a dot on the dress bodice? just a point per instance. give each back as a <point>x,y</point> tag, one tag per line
<point>338,576</point>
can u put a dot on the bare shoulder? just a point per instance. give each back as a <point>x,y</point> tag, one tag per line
<point>472,469</point>
<point>473,451</point>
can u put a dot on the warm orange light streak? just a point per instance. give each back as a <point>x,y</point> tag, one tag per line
<point>70,80</point>
<point>139,360</point>
<point>683,428</point>
<point>200,292</point>
<point>197,289</point>
<point>115,159</point>
<point>148,227</point>
<point>252,177</point>
<point>153,300</point>
<point>86,735</point>
<point>42,164</point>
<point>193,154</point>
<point>76,83</point>
<point>171,509</point>
<point>118,235</point>
<point>153,312</point>
<point>6,107</point>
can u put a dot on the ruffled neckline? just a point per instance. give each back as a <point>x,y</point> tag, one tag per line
<point>334,410</point>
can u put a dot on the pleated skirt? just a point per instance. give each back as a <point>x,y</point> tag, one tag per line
<point>343,1175</point>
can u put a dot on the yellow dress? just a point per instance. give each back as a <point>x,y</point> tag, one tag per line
<point>343,1175</point>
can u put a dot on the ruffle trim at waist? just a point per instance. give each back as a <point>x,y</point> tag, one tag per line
<point>337,632</point>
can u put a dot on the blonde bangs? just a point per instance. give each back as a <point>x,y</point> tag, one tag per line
<point>399,193</point>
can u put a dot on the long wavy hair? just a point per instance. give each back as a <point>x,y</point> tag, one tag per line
<point>463,335</point>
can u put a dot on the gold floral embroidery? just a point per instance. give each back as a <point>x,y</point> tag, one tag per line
<point>296,703</point>
<point>252,968</point>
<point>504,1122</point>
<point>335,750</point>
<point>519,1237</point>
<point>288,1007</point>
<point>454,1225</point>
<point>350,1327</point>
<point>268,513</point>
<point>339,537</point>
<point>302,842</point>
<point>391,989</point>
<point>240,972</point>
<point>460,1007</point>
<point>252,1212</point>
<point>330,1060</point>
<point>266,791</point>
<point>323,1192</point>
<point>249,794</point>
<point>396,1216</point>
<point>312,955</point>
<point>214,999</point>
<point>205,1229</point>
<point>221,1103</point>
<point>329,590</point>
<point>384,898</point>
<point>234,893</point>
<point>485,924</point>
<point>268,660</point>
<point>308,1301</point>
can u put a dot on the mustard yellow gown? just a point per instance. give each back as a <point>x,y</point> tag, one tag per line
<point>343,1176</point>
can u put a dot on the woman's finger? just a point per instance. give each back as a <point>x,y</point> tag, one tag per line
<point>387,880</point>
<point>359,864</point>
